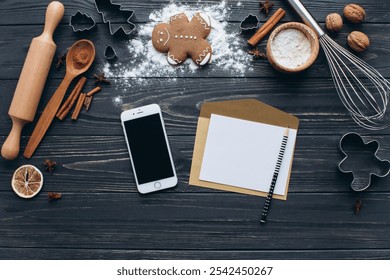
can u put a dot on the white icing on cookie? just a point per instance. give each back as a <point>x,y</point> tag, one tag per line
<point>206,59</point>
<point>168,36</point>
<point>177,16</point>
<point>206,18</point>
<point>172,60</point>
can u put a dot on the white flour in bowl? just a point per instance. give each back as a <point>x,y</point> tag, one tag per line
<point>291,48</point>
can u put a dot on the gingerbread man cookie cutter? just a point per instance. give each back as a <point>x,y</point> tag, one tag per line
<point>181,38</point>
<point>361,160</point>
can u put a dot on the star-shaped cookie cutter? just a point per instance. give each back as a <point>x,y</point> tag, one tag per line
<point>114,14</point>
<point>361,160</point>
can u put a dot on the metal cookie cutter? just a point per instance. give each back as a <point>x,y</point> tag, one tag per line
<point>110,53</point>
<point>361,160</point>
<point>81,22</point>
<point>249,23</point>
<point>114,14</point>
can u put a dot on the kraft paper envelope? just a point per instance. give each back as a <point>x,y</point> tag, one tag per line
<point>246,109</point>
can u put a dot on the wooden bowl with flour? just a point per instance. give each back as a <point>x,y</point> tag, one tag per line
<point>292,47</point>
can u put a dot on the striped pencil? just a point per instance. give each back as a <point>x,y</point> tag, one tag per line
<point>274,178</point>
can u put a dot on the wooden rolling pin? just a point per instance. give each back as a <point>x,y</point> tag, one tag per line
<point>32,80</point>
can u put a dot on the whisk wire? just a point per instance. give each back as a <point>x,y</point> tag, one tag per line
<point>370,72</point>
<point>365,94</point>
<point>333,61</point>
<point>362,89</point>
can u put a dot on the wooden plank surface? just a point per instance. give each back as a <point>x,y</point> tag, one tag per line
<point>11,12</point>
<point>118,254</point>
<point>101,164</point>
<point>194,222</point>
<point>102,216</point>
<point>314,102</point>
<point>16,39</point>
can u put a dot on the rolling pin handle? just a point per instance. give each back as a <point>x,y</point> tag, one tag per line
<point>11,146</point>
<point>54,13</point>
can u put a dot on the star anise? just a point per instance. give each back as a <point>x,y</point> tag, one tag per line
<point>357,206</point>
<point>266,6</point>
<point>50,165</point>
<point>257,54</point>
<point>60,60</point>
<point>101,78</point>
<point>54,196</point>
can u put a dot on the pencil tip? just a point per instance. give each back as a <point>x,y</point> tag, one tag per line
<point>286,132</point>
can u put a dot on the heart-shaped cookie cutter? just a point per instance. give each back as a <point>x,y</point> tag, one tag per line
<point>361,160</point>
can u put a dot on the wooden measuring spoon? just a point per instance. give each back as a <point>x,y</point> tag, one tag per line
<point>79,58</point>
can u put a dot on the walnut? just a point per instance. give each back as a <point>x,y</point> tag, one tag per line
<point>334,22</point>
<point>354,13</point>
<point>358,41</point>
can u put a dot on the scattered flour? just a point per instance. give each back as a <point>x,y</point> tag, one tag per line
<point>146,62</point>
<point>291,48</point>
<point>117,101</point>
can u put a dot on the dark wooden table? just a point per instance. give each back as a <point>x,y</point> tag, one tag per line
<point>101,214</point>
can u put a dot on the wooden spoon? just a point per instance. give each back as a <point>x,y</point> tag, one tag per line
<point>79,58</point>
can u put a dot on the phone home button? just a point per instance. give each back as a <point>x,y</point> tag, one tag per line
<point>157,185</point>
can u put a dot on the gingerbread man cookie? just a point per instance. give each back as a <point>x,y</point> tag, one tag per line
<point>181,38</point>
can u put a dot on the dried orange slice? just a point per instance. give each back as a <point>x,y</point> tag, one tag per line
<point>27,181</point>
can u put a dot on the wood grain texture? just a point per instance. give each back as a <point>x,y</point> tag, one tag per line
<point>215,221</point>
<point>102,216</point>
<point>16,39</point>
<point>118,254</point>
<point>101,164</point>
<point>314,102</point>
<point>11,10</point>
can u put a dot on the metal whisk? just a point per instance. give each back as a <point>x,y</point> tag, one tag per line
<point>361,88</point>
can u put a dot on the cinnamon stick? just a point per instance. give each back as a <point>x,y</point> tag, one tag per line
<point>68,104</point>
<point>266,27</point>
<point>79,106</point>
<point>95,90</point>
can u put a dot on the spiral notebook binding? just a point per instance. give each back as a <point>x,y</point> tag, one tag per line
<point>274,178</point>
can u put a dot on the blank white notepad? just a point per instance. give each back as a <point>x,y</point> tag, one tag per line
<point>243,154</point>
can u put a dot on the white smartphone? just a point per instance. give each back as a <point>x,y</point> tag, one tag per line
<point>149,150</point>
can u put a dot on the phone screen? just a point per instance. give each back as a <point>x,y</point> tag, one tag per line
<point>149,149</point>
